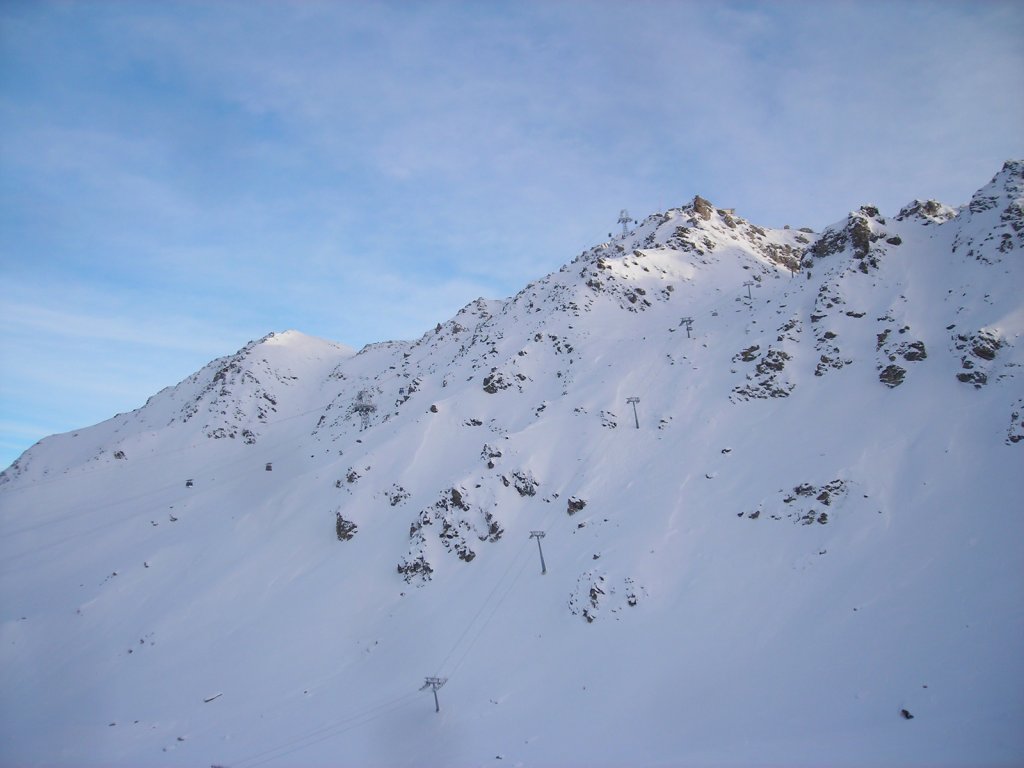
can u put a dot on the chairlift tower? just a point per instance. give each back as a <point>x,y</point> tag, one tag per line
<point>538,535</point>
<point>747,285</point>
<point>364,406</point>
<point>633,401</point>
<point>433,683</point>
<point>688,322</point>
<point>625,220</point>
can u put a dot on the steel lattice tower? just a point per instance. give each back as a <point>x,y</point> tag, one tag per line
<point>364,407</point>
<point>625,220</point>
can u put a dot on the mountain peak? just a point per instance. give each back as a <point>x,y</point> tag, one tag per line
<point>995,214</point>
<point>1003,192</point>
<point>927,211</point>
<point>300,342</point>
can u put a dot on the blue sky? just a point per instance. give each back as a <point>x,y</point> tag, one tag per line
<point>177,179</point>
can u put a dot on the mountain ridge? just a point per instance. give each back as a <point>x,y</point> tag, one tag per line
<point>858,233</point>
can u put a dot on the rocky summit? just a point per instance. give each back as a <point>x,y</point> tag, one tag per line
<point>711,494</point>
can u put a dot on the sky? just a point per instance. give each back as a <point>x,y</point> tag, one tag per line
<point>177,179</point>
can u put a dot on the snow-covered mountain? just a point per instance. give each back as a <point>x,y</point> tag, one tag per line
<point>775,477</point>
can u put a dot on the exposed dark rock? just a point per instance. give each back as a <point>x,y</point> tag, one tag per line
<point>929,210</point>
<point>830,242</point>
<point>801,500</point>
<point>457,501</point>
<point>397,495</point>
<point>702,208</point>
<point>978,349</point>
<point>415,568</point>
<point>985,347</point>
<point>765,382</point>
<point>524,483</point>
<point>749,354</point>
<point>345,529</point>
<point>575,505</point>
<point>860,237</point>
<point>915,351</point>
<point>977,378</point>
<point>892,375</point>
<point>774,360</point>
<point>1015,432</point>
<point>489,453</point>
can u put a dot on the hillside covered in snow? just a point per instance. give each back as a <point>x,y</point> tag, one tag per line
<point>774,477</point>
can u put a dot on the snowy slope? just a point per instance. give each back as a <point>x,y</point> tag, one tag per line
<point>811,525</point>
